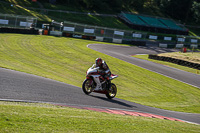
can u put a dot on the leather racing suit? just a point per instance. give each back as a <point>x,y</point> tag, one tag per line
<point>104,72</point>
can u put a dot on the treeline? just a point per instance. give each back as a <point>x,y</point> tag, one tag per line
<point>184,10</point>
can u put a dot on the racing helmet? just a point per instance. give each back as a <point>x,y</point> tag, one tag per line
<point>98,61</point>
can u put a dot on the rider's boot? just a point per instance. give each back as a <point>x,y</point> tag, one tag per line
<point>98,86</point>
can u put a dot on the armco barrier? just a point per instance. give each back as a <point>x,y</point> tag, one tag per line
<point>193,46</point>
<point>179,45</point>
<point>55,33</point>
<point>176,61</point>
<point>98,38</point>
<point>162,45</point>
<point>165,45</point>
<point>117,40</point>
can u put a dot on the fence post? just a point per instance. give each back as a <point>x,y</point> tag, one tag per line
<point>123,35</point>
<point>113,33</point>
<point>104,32</point>
<point>85,27</point>
<point>95,30</point>
<point>26,22</point>
<point>74,27</point>
<point>15,21</point>
<point>35,23</point>
<point>5,19</point>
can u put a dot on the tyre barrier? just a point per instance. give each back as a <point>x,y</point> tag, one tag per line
<point>66,34</point>
<point>20,31</point>
<point>175,61</point>
<point>78,36</point>
<point>88,37</point>
<point>139,43</point>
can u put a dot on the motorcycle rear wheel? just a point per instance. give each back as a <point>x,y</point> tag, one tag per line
<point>86,87</point>
<point>112,91</point>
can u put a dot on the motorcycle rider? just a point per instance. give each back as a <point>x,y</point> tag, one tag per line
<point>104,72</point>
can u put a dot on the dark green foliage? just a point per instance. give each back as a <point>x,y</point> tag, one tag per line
<point>184,10</point>
<point>196,11</point>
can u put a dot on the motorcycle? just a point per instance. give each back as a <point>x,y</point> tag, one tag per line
<point>89,85</point>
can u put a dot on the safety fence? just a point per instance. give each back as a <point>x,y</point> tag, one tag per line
<point>123,36</point>
<point>70,29</point>
<point>17,21</point>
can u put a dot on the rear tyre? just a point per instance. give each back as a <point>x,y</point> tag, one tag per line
<point>112,92</point>
<point>86,87</point>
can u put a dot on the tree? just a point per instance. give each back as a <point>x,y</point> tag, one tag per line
<point>90,3</point>
<point>178,9</point>
<point>196,11</point>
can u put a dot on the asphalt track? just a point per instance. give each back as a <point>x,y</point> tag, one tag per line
<point>124,53</point>
<point>19,86</point>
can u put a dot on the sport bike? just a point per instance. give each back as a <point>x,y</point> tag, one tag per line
<point>89,84</point>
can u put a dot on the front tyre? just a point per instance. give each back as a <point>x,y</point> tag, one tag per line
<point>87,87</point>
<point>112,91</point>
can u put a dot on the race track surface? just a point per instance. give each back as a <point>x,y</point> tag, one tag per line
<point>125,52</point>
<point>18,86</point>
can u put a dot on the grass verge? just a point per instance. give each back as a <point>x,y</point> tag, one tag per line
<point>67,59</point>
<point>189,56</point>
<point>31,117</point>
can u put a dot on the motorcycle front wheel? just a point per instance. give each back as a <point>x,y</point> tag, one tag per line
<point>112,92</point>
<point>86,87</point>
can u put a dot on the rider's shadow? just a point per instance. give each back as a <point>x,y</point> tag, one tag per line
<point>114,101</point>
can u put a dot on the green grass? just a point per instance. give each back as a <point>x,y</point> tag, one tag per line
<point>184,56</point>
<point>111,22</point>
<point>67,59</point>
<point>19,10</point>
<point>30,117</point>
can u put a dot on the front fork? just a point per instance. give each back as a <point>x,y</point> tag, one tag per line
<point>109,84</point>
<point>91,83</point>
